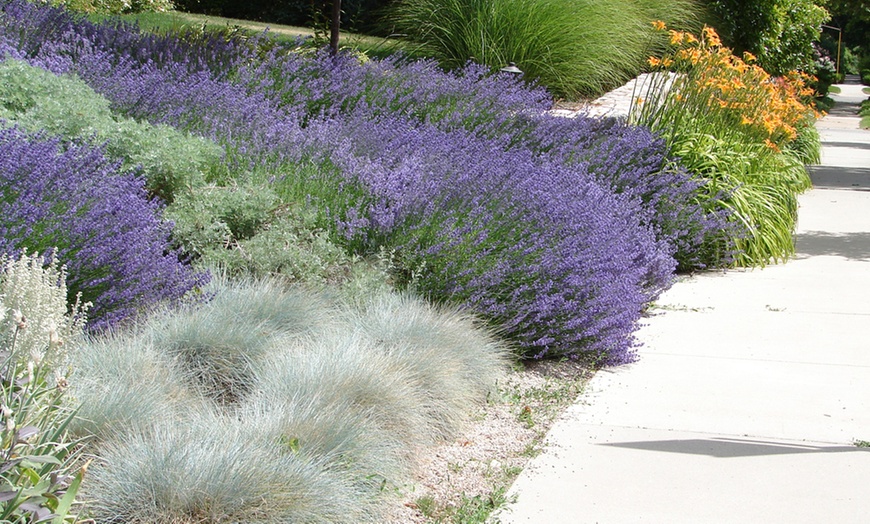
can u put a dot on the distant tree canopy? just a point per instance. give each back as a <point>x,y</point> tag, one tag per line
<point>356,14</point>
<point>779,32</point>
<point>853,17</point>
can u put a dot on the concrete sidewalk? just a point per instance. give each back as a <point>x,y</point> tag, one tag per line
<point>751,389</point>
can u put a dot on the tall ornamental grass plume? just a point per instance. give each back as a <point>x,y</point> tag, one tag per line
<point>211,468</point>
<point>37,100</point>
<point>39,475</point>
<point>217,343</point>
<point>574,48</point>
<point>738,128</point>
<point>69,200</point>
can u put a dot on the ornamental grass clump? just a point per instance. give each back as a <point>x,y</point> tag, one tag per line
<point>123,383</point>
<point>340,396</point>
<point>210,468</point>
<point>215,344</point>
<point>69,200</point>
<point>576,48</point>
<point>738,128</point>
<point>330,404</point>
<point>444,354</point>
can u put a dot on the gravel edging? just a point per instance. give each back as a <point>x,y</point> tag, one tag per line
<point>469,477</point>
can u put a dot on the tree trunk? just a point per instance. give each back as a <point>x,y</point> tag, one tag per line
<point>334,26</point>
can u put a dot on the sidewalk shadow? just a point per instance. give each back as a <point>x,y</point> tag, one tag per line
<point>732,447</point>
<point>845,109</point>
<point>851,145</point>
<point>836,177</point>
<point>854,246</point>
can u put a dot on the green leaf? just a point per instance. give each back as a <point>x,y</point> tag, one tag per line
<point>41,459</point>
<point>67,501</point>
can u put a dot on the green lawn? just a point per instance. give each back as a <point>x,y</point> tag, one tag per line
<point>175,21</point>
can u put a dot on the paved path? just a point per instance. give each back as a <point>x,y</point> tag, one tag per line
<point>751,389</point>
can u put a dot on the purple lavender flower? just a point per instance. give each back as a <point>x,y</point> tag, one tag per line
<point>559,231</point>
<point>69,199</point>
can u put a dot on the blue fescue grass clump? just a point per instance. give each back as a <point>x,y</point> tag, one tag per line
<point>214,468</point>
<point>67,198</point>
<point>215,343</point>
<point>451,361</point>
<point>331,402</point>
<point>558,232</point>
<point>122,383</point>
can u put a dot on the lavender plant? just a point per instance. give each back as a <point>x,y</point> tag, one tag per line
<point>456,172</point>
<point>557,260</point>
<point>632,161</point>
<point>67,199</point>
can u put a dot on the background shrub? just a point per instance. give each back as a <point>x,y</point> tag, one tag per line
<point>779,32</point>
<point>115,7</point>
<point>37,100</point>
<point>246,230</point>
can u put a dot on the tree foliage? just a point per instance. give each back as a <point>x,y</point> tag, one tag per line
<point>779,32</point>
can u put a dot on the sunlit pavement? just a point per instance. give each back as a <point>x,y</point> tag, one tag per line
<point>752,386</point>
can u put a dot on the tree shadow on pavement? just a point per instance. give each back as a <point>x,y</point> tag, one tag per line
<point>854,246</point>
<point>732,447</point>
<point>836,177</point>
